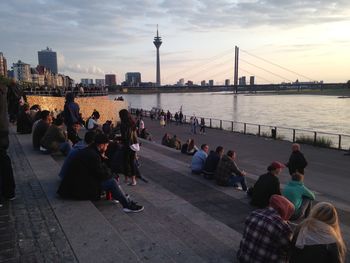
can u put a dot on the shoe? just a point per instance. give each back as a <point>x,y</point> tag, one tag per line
<point>12,198</point>
<point>115,201</point>
<point>1,205</point>
<point>133,208</point>
<point>238,188</point>
<point>132,184</point>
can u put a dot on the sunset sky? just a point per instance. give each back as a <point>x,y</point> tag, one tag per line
<point>309,38</point>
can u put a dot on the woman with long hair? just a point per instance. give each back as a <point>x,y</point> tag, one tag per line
<point>318,238</point>
<point>128,138</point>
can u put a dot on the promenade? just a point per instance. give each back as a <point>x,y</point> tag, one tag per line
<point>186,218</point>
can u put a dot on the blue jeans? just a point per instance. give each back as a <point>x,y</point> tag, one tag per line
<point>117,193</point>
<point>65,148</point>
<point>238,179</point>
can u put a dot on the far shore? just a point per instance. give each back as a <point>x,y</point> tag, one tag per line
<point>341,93</point>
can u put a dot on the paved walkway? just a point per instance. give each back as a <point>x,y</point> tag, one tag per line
<point>186,218</point>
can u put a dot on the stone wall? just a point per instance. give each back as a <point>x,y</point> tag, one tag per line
<point>107,108</point>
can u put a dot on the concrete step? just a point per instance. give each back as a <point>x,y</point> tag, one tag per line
<point>91,236</point>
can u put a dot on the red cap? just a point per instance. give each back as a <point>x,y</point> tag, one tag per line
<point>277,165</point>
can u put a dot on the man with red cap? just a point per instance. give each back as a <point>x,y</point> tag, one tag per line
<point>267,234</point>
<point>267,185</point>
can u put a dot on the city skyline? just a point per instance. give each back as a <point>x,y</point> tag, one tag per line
<point>93,39</point>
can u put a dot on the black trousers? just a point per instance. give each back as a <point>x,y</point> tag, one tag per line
<point>7,181</point>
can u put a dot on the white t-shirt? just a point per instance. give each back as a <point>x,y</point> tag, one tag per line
<point>91,124</point>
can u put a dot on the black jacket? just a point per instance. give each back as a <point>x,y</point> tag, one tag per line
<point>266,186</point>
<point>296,161</point>
<point>84,175</point>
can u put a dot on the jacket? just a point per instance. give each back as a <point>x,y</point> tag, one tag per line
<point>53,137</point>
<point>84,175</point>
<point>225,169</point>
<point>266,186</point>
<point>4,125</point>
<point>296,161</point>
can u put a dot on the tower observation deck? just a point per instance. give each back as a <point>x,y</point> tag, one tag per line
<point>157,42</point>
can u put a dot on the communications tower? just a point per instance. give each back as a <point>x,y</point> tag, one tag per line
<point>157,42</point>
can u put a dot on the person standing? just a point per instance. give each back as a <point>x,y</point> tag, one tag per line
<point>71,114</point>
<point>202,124</point>
<point>297,161</point>
<point>128,138</point>
<point>7,181</point>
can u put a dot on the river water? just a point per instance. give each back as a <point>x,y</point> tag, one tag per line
<point>312,112</point>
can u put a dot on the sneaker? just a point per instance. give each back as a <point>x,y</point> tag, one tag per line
<point>115,201</point>
<point>132,184</point>
<point>1,205</point>
<point>133,208</point>
<point>238,188</point>
<point>12,198</point>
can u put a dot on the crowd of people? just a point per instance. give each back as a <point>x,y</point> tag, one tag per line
<point>93,165</point>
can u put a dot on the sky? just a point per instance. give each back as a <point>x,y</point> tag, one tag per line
<point>279,40</point>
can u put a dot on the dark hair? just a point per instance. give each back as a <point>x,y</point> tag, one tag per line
<point>44,114</point>
<point>230,153</point>
<point>89,137</point>
<point>203,146</point>
<point>96,114</point>
<point>59,120</point>
<point>219,149</point>
<point>69,97</point>
<point>297,177</point>
<point>126,119</point>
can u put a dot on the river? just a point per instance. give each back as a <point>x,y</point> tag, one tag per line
<point>312,112</point>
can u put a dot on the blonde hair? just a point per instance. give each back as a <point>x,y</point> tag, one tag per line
<point>326,213</point>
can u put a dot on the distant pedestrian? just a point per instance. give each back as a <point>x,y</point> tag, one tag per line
<point>162,121</point>
<point>202,130</point>
<point>176,117</point>
<point>181,116</point>
<point>297,161</point>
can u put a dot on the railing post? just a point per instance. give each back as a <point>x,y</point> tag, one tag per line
<point>339,145</point>
<point>293,135</point>
<point>185,118</point>
<point>232,126</point>
<point>259,130</point>
<point>245,128</point>
<point>315,137</point>
<point>220,124</point>
<point>210,123</point>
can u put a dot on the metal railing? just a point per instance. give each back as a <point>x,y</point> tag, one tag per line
<point>317,138</point>
<point>56,93</point>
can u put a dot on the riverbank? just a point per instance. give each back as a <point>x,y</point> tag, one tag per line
<point>341,92</point>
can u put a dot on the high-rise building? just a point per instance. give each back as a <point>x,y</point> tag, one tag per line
<point>227,82</point>
<point>242,81</point>
<point>100,82</point>
<point>133,79</point>
<point>48,58</point>
<point>203,83</point>
<point>211,82</point>
<point>21,72</point>
<point>252,80</point>
<point>157,42</point>
<point>3,65</point>
<point>110,79</point>
<point>181,82</point>
<point>87,82</point>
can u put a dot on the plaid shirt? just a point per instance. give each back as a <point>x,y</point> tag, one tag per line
<point>266,238</point>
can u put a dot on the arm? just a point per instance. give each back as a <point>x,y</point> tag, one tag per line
<point>236,170</point>
<point>308,193</point>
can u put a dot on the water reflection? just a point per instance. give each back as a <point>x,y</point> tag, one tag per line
<point>321,113</point>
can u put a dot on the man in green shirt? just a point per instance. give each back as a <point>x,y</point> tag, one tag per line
<point>296,192</point>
